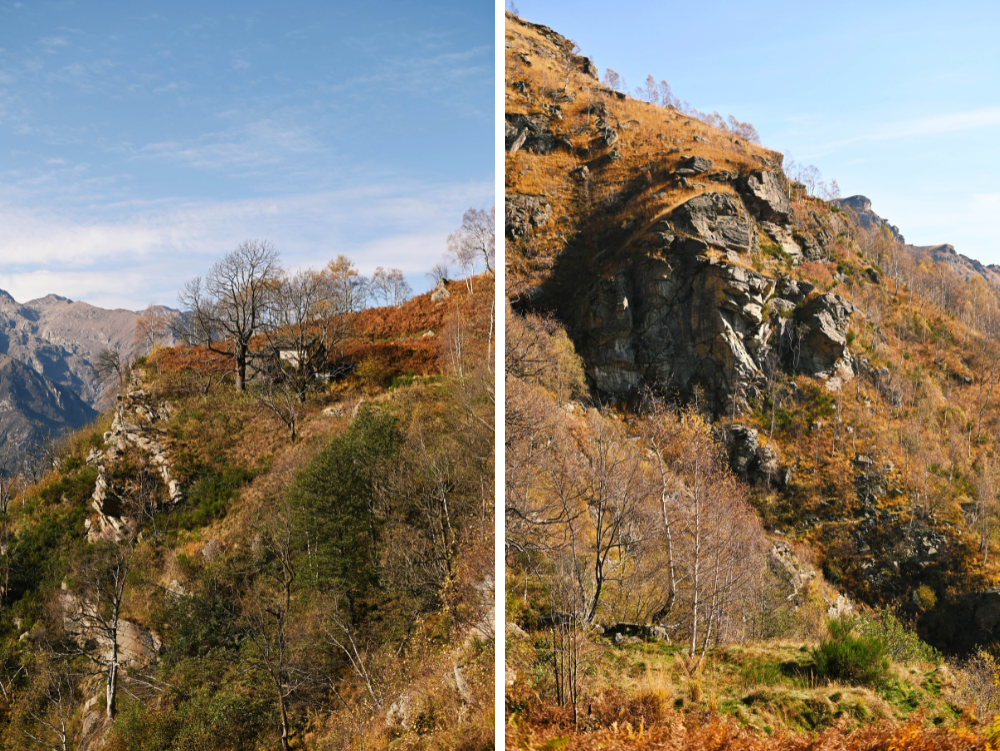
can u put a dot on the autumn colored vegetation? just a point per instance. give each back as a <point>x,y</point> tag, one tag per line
<point>654,597</point>
<point>331,591</point>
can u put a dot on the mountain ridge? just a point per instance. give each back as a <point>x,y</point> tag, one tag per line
<point>965,266</point>
<point>33,406</point>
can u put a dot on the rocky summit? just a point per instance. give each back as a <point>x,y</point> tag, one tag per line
<point>658,275</point>
<point>861,206</point>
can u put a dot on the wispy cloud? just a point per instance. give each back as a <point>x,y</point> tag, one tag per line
<point>51,45</point>
<point>935,125</point>
<point>265,141</point>
<point>144,251</point>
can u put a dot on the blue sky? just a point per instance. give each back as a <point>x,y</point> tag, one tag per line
<point>897,101</point>
<point>140,141</point>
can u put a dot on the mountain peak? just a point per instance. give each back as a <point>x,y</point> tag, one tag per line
<point>51,299</point>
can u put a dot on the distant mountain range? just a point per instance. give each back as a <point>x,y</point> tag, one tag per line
<point>47,351</point>
<point>32,406</point>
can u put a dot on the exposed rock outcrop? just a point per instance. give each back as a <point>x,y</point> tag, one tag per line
<point>523,213</point>
<point>529,133</point>
<point>587,66</point>
<point>711,219</point>
<point>137,647</point>
<point>440,293</point>
<point>693,165</point>
<point>785,240</point>
<point>764,195</point>
<point>815,340</point>
<point>136,426</point>
<point>682,316</point>
<point>689,322</point>
<point>862,208</point>
<point>747,458</point>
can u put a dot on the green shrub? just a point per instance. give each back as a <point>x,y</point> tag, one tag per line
<point>230,718</point>
<point>901,642</point>
<point>403,380</point>
<point>209,497</point>
<point>761,674</point>
<point>73,489</point>
<point>373,372</point>
<point>850,656</point>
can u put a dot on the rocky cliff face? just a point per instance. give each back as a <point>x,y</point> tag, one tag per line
<point>646,231</point>
<point>688,312</point>
<point>137,433</point>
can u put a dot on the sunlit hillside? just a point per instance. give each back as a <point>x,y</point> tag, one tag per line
<point>751,458</point>
<point>303,564</point>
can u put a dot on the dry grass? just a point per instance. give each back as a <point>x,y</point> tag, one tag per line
<point>718,734</point>
<point>633,192</point>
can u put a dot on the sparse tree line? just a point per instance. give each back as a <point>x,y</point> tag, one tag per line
<point>659,94</point>
<point>283,331</point>
<point>808,176</point>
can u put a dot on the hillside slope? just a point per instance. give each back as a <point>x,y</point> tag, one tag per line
<point>846,383</point>
<point>328,591</point>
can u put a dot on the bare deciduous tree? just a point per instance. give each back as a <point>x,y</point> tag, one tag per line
<point>111,367</point>
<point>93,612</point>
<point>438,273</point>
<point>227,308</point>
<point>389,287</point>
<point>45,711</point>
<point>309,317</point>
<point>473,242</point>
<point>614,81</point>
<point>274,631</point>
<point>667,99</point>
<point>652,90</point>
<point>151,328</point>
